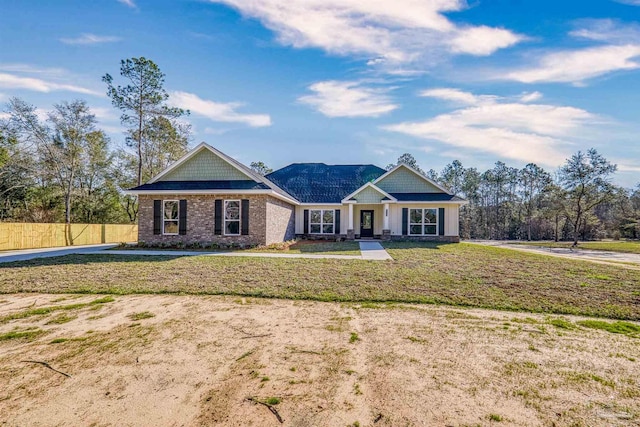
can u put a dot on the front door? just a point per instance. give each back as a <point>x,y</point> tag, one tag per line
<point>366,223</point>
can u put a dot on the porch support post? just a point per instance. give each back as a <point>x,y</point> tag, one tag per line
<point>350,233</point>
<point>386,231</point>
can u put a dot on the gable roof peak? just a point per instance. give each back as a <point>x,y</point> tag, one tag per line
<point>421,175</point>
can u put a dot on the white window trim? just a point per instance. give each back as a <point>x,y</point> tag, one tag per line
<point>423,223</point>
<point>322,223</point>
<point>164,220</point>
<point>224,218</point>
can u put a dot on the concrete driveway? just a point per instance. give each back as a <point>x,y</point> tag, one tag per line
<point>584,254</point>
<point>27,254</point>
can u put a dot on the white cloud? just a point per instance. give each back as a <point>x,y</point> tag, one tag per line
<point>12,81</point>
<point>391,32</point>
<point>218,111</point>
<point>607,30</point>
<point>576,66</point>
<point>530,96</point>
<point>482,40</point>
<point>90,39</point>
<point>30,69</point>
<point>348,99</point>
<point>457,96</point>
<point>629,2</point>
<point>128,3</point>
<point>526,132</point>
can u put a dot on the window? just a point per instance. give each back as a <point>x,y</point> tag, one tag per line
<point>170,210</point>
<point>321,221</point>
<point>232,217</point>
<point>423,222</point>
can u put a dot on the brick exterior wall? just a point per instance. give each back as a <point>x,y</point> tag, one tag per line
<point>281,222</point>
<point>200,220</point>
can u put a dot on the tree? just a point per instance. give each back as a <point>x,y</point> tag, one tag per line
<point>63,152</point>
<point>586,179</point>
<point>533,182</point>
<point>408,160</point>
<point>452,176</point>
<point>141,101</point>
<point>166,142</point>
<point>260,168</point>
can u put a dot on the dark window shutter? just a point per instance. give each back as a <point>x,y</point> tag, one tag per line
<point>336,228</point>
<point>157,217</point>
<point>244,222</point>
<point>306,221</point>
<point>441,221</point>
<point>217,217</point>
<point>405,221</point>
<point>182,217</point>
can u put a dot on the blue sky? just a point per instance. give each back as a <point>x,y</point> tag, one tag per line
<point>353,81</point>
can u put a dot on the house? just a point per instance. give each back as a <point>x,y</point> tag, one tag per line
<point>208,197</point>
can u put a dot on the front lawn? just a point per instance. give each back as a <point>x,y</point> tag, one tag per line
<point>628,246</point>
<point>456,274</point>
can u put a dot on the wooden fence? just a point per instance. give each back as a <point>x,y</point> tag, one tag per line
<point>31,236</point>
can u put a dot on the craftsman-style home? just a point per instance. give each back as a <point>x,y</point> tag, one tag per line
<point>208,197</point>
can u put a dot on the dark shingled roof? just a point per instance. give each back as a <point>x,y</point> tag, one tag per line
<point>202,185</point>
<point>426,197</point>
<point>320,183</point>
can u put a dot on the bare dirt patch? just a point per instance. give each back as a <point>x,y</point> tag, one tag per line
<point>168,360</point>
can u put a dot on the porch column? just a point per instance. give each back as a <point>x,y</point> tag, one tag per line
<point>350,233</point>
<point>386,231</point>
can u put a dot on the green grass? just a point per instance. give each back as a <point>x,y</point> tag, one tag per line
<point>561,323</point>
<point>51,309</point>
<point>625,328</point>
<point>495,417</point>
<point>354,337</point>
<point>62,318</point>
<point>48,310</point>
<point>455,274</point>
<point>28,335</point>
<point>625,246</point>
<point>142,315</point>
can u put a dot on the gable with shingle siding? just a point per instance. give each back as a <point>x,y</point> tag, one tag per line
<point>402,180</point>
<point>368,195</point>
<point>205,166</point>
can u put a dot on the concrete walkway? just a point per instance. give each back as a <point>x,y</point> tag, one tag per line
<point>584,254</point>
<point>27,254</point>
<point>373,251</point>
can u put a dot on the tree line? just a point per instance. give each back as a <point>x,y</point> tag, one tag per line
<point>60,167</point>
<point>576,202</point>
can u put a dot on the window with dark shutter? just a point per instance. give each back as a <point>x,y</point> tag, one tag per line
<point>217,217</point>
<point>157,217</point>
<point>337,219</point>
<point>182,218</point>
<point>244,223</point>
<point>306,221</point>
<point>441,221</point>
<point>405,221</point>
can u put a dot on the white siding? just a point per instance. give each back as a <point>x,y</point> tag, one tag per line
<point>451,219</point>
<point>377,217</point>
<point>344,212</point>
